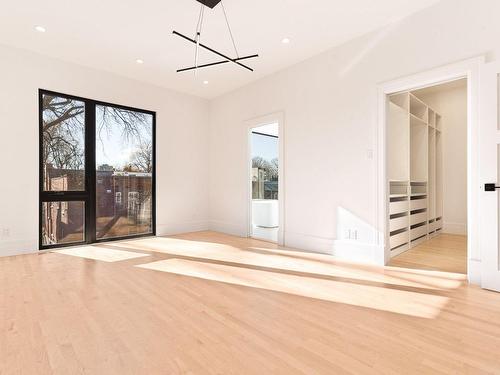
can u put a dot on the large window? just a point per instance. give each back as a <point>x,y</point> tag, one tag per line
<point>97,171</point>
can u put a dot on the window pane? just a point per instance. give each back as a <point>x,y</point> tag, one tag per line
<point>124,164</point>
<point>265,151</point>
<point>63,222</point>
<point>63,144</point>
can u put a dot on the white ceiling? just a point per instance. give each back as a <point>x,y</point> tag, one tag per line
<point>111,34</point>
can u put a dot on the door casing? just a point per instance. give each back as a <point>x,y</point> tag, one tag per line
<point>272,118</point>
<point>469,69</point>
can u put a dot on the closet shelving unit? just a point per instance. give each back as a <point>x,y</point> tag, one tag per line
<point>414,169</point>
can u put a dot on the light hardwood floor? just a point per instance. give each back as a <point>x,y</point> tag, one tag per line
<point>446,252</point>
<point>207,303</point>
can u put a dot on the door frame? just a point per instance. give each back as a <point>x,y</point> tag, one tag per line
<point>489,151</point>
<point>469,69</point>
<point>89,195</point>
<point>277,117</point>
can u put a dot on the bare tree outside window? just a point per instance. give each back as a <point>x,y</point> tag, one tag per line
<point>123,137</point>
<point>124,157</point>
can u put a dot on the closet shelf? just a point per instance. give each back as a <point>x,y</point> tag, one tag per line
<point>414,164</point>
<point>418,120</point>
<point>398,195</point>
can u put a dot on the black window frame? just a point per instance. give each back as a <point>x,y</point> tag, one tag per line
<point>89,194</point>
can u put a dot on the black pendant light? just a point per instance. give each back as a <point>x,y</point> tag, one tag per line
<point>197,41</point>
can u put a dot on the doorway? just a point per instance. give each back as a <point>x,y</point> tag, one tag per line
<point>97,171</point>
<point>265,180</point>
<point>427,177</point>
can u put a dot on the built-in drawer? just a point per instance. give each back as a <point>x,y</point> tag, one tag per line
<point>439,224</point>
<point>418,204</point>
<point>432,226</point>
<point>398,239</point>
<point>398,223</point>
<point>398,207</point>
<point>418,218</point>
<point>418,232</point>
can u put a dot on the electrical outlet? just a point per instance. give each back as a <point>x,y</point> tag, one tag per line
<point>348,234</point>
<point>351,234</point>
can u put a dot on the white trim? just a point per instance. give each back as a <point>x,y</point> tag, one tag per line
<point>469,69</point>
<point>475,271</point>
<point>488,156</point>
<point>357,252</point>
<point>309,242</point>
<point>18,247</point>
<point>277,117</point>
<point>179,228</point>
<point>239,230</point>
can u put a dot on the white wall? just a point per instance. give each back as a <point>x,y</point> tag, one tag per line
<point>452,105</point>
<point>182,131</point>
<point>330,107</point>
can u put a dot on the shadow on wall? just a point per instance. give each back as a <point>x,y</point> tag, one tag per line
<point>377,39</point>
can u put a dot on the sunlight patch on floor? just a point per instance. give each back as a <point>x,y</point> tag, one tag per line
<point>421,305</point>
<point>100,253</point>
<point>296,261</point>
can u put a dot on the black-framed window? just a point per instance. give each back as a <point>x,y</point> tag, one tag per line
<point>97,171</point>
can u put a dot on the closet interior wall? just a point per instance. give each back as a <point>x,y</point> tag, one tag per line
<point>414,170</point>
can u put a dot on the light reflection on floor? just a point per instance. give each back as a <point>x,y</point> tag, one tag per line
<point>304,262</point>
<point>100,253</point>
<point>423,305</point>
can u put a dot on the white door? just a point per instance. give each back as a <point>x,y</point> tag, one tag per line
<point>489,133</point>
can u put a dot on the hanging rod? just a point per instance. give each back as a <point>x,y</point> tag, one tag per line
<point>216,63</point>
<point>212,50</point>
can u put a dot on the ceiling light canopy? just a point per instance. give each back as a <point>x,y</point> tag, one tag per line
<point>209,3</point>
<point>285,41</point>
<point>40,29</point>
<point>197,41</point>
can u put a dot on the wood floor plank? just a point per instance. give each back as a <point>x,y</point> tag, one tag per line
<point>229,305</point>
<point>446,252</point>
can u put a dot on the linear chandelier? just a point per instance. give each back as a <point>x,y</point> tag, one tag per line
<point>197,41</point>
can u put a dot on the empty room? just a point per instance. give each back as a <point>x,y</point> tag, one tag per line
<point>250,187</point>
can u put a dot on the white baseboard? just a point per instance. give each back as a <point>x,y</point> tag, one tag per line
<point>474,271</point>
<point>455,228</point>
<point>178,228</point>
<point>354,251</point>
<point>360,252</point>
<point>239,230</point>
<point>18,247</point>
<point>309,242</point>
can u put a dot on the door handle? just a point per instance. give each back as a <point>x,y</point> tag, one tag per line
<point>490,187</point>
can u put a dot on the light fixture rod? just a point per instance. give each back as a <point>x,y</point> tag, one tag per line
<point>198,37</point>
<point>216,63</point>
<point>229,28</point>
<point>212,50</point>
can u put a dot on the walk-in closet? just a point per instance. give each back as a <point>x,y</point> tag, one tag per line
<point>414,170</point>
<point>421,171</point>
